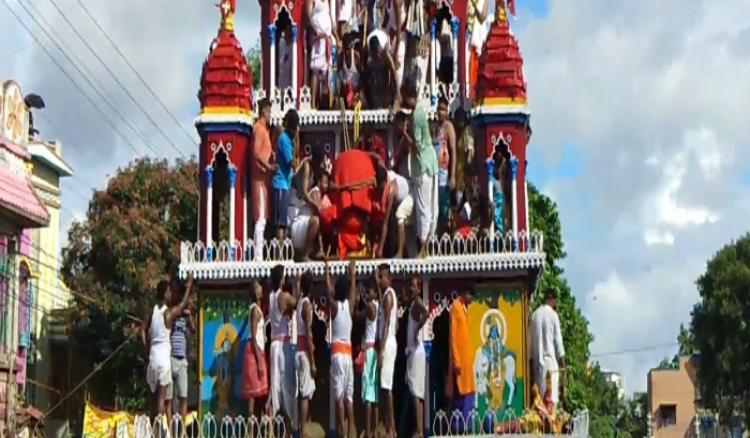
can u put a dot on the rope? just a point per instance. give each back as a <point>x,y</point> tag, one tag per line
<point>357,119</point>
<point>98,367</point>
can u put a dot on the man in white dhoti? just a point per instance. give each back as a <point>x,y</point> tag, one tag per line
<point>547,350</point>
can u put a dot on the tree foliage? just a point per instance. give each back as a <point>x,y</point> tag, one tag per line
<point>254,56</point>
<point>587,388</point>
<point>720,330</point>
<point>128,241</point>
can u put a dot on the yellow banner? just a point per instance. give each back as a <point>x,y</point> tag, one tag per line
<point>98,423</point>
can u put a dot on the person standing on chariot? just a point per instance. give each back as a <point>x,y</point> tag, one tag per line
<point>155,335</point>
<point>368,359</point>
<point>461,377</point>
<point>262,169</point>
<point>342,299</point>
<point>283,388</point>
<point>479,26</point>
<point>282,177</point>
<point>395,26</point>
<point>387,321</point>
<point>255,366</point>
<point>305,203</point>
<point>305,361</point>
<point>424,182</point>
<point>415,362</point>
<point>380,63</point>
<point>547,349</point>
<point>321,19</point>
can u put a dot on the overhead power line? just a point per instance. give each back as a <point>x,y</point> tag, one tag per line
<point>67,56</point>
<point>636,350</point>
<point>134,70</point>
<point>116,79</point>
<point>73,81</point>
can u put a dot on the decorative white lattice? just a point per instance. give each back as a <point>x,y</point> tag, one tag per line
<point>507,424</point>
<point>207,427</point>
<point>281,102</point>
<point>288,100</point>
<point>305,99</point>
<point>502,251</point>
<point>442,424</point>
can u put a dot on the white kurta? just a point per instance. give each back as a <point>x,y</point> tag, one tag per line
<point>546,348</point>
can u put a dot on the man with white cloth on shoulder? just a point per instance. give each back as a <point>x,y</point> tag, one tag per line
<point>547,350</point>
<point>155,334</point>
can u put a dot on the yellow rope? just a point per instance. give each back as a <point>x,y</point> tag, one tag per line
<point>357,115</point>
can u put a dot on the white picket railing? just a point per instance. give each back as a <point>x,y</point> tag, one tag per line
<point>453,424</point>
<point>443,246</point>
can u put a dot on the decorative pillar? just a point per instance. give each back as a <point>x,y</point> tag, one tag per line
<point>467,57</point>
<point>245,238</point>
<point>294,66</point>
<point>209,208</point>
<point>272,37</point>
<point>526,201</point>
<point>428,353</point>
<point>232,204</point>
<point>334,62</point>
<point>514,198</point>
<point>433,48</point>
<point>454,46</point>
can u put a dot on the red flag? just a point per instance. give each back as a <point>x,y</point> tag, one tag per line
<point>512,7</point>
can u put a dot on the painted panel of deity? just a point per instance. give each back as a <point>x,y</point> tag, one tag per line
<point>225,334</point>
<point>497,327</point>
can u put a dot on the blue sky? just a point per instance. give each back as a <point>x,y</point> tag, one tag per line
<point>638,112</point>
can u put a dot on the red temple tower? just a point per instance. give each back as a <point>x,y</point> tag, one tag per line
<point>225,126</point>
<point>501,114</point>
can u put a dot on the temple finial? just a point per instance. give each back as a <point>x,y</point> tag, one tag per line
<point>505,8</point>
<point>227,8</point>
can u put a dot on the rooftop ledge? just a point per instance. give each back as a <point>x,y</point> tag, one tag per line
<point>470,256</point>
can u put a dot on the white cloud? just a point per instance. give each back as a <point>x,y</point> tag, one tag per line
<point>655,93</point>
<point>658,237</point>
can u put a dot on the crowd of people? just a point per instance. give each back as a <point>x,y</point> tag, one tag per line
<point>283,381</point>
<point>430,181</point>
<point>378,44</point>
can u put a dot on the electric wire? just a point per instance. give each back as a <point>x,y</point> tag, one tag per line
<point>117,80</point>
<point>134,70</point>
<point>73,81</point>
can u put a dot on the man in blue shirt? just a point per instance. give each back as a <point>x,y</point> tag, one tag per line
<point>282,179</point>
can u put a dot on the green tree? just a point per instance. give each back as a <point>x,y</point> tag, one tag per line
<point>254,57</point>
<point>128,241</point>
<point>586,386</point>
<point>685,341</point>
<point>720,331</point>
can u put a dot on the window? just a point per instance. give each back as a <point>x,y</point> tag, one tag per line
<point>667,415</point>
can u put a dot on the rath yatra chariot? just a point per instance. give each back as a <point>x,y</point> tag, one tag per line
<point>502,265</point>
